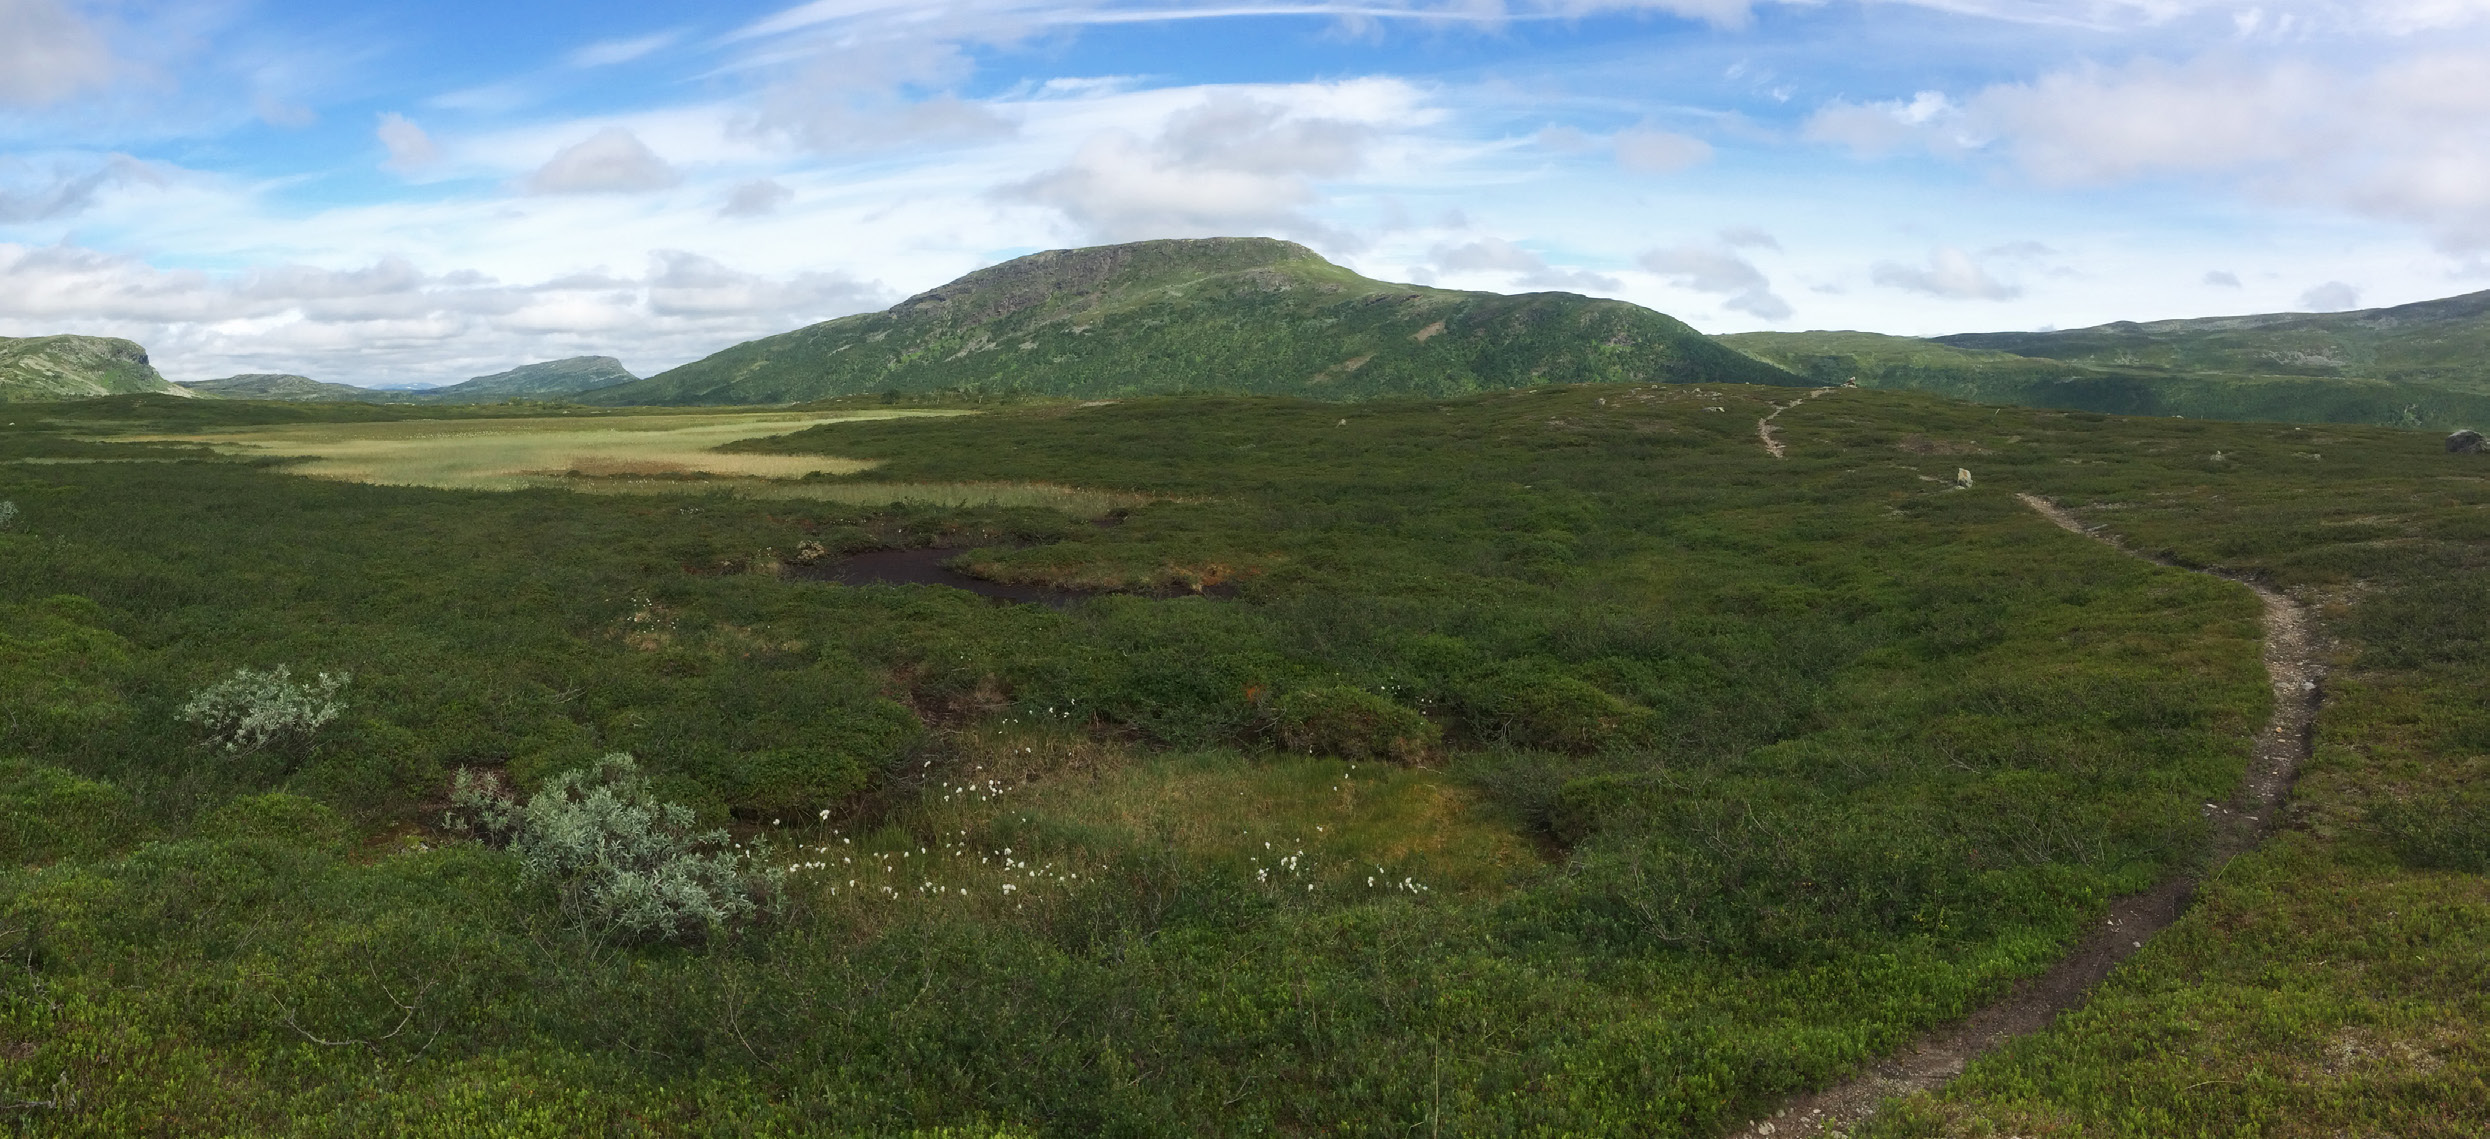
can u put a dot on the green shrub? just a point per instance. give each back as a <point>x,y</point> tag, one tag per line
<point>251,709</point>
<point>1530,704</point>
<point>2441,832</point>
<point>279,817</point>
<point>1354,724</point>
<point>47,813</point>
<point>625,864</point>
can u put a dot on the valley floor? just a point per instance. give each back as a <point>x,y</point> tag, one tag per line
<point>1546,762</point>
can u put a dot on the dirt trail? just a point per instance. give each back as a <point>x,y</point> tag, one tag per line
<point>2292,666</point>
<point>1765,431</point>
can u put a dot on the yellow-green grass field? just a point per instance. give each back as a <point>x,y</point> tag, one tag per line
<point>669,453</point>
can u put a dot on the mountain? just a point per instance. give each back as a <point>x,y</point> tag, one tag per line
<point>2441,343</point>
<point>76,367</point>
<point>1230,314</point>
<point>554,377</point>
<point>271,385</point>
<point>2417,365</point>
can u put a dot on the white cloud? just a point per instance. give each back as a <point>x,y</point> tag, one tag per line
<point>389,321</point>
<point>1231,163</point>
<point>1496,256</point>
<point>66,193</point>
<point>1950,273</point>
<point>2333,296</point>
<point>606,53</point>
<point>1706,269</point>
<point>1654,151</point>
<point>1749,237</point>
<point>1928,119</point>
<point>48,53</point>
<point>757,198</point>
<point>2405,138</point>
<point>410,149</point>
<point>611,161</point>
<point>2222,279</point>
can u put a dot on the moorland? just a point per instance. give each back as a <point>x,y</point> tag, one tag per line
<point>1548,761</point>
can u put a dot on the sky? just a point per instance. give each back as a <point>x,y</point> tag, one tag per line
<point>405,194</point>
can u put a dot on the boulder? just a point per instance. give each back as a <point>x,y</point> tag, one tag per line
<point>2465,442</point>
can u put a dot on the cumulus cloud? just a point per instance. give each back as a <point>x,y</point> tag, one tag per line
<point>2406,138</point>
<point>1874,130</point>
<point>391,321</point>
<point>757,198</point>
<point>2222,279</point>
<point>1709,269</point>
<point>1749,237</point>
<point>1496,255</point>
<point>611,161</point>
<point>47,53</point>
<point>1654,151</point>
<point>1230,164</point>
<point>2333,296</point>
<point>67,192</point>
<point>1950,273</point>
<point>410,149</point>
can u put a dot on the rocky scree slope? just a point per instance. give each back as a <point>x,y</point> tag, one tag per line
<point>1225,315</point>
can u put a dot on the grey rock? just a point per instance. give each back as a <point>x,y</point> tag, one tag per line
<point>2465,442</point>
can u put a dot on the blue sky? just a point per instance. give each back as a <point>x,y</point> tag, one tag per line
<point>406,193</point>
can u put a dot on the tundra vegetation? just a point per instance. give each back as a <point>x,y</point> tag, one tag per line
<point>1552,761</point>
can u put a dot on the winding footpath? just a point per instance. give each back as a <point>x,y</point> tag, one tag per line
<point>2293,667</point>
<point>1765,431</point>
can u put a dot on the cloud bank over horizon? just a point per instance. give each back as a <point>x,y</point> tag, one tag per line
<point>417,194</point>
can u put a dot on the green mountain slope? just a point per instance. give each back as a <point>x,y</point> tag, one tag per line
<point>272,385</point>
<point>2441,343</point>
<point>1967,367</point>
<point>1236,315</point>
<point>554,377</point>
<point>76,367</point>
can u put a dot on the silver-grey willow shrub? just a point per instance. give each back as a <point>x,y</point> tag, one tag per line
<point>252,709</point>
<point>625,863</point>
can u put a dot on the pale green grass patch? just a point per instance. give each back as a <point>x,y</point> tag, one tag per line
<point>644,454</point>
<point>513,454</point>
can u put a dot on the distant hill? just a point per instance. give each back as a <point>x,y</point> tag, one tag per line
<point>1235,315</point>
<point>2442,343</point>
<point>272,385</point>
<point>2418,365</point>
<point>76,367</point>
<point>551,379</point>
